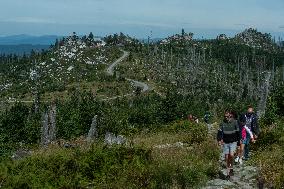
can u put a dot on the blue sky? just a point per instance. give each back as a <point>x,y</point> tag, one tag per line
<point>138,18</point>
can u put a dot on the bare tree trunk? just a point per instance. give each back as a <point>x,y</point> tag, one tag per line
<point>48,131</point>
<point>52,124</point>
<point>36,101</point>
<point>44,130</point>
<point>264,95</point>
<point>93,132</point>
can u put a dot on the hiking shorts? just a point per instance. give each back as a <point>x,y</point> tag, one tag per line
<point>230,148</point>
<point>245,141</point>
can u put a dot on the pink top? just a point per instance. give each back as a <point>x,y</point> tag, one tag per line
<point>245,129</point>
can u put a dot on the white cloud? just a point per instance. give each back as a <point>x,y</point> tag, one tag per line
<point>30,20</point>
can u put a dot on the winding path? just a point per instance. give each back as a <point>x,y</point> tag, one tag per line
<point>112,66</point>
<point>110,71</point>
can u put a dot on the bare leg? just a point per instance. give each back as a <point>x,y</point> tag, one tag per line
<point>228,161</point>
<point>241,152</point>
<point>231,157</point>
<point>230,168</point>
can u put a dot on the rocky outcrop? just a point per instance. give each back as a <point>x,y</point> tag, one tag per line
<point>245,177</point>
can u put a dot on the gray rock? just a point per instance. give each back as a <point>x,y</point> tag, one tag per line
<point>179,144</point>
<point>162,146</point>
<point>20,154</point>
<point>120,139</point>
<point>244,178</point>
<point>245,185</point>
<point>248,173</point>
<point>175,145</point>
<point>219,183</point>
<point>111,139</point>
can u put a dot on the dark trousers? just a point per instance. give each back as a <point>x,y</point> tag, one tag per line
<point>246,151</point>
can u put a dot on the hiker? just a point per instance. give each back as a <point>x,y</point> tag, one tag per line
<point>192,118</point>
<point>207,119</point>
<point>228,135</point>
<point>252,124</point>
<point>244,131</point>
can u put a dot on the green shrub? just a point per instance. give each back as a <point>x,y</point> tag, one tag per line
<point>163,176</point>
<point>269,153</point>
<point>74,116</point>
<point>196,132</point>
<point>270,161</point>
<point>13,124</point>
<point>97,167</point>
<point>187,169</point>
<point>111,167</point>
<point>18,126</point>
<point>275,105</point>
<point>270,134</point>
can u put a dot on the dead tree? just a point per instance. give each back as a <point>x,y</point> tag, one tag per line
<point>93,132</point>
<point>44,130</point>
<point>52,122</point>
<point>48,131</point>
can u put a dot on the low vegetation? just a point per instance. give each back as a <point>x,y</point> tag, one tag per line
<point>163,149</point>
<point>269,148</point>
<point>141,164</point>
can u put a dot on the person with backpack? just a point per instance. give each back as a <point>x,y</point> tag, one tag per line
<point>252,124</point>
<point>228,135</point>
<point>207,119</point>
<point>244,131</point>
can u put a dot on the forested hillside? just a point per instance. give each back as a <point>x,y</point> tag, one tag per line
<point>59,108</point>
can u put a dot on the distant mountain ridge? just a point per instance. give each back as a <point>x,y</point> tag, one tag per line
<point>22,49</point>
<point>24,44</point>
<point>28,39</point>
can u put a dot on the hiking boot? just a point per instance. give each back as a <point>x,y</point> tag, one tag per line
<point>237,159</point>
<point>228,177</point>
<point>240,161</point>
<point>231,173</point>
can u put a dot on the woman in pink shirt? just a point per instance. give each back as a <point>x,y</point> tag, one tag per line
<point>244,131</point>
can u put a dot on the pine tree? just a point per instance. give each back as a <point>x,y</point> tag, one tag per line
<point>182,32</point>
<point>91,36</point>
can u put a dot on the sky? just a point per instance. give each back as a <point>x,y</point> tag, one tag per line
<point>140,18</point>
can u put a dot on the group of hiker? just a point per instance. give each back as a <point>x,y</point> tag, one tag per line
<point>207,119</point>
<point>235,135</point>
<point>192,118</point>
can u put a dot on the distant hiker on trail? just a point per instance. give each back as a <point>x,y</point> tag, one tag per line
<point>252,124</point>
<point>245,133</point>
<point>228,135</point>
<point>192,118</point>
<point>207,119</point>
